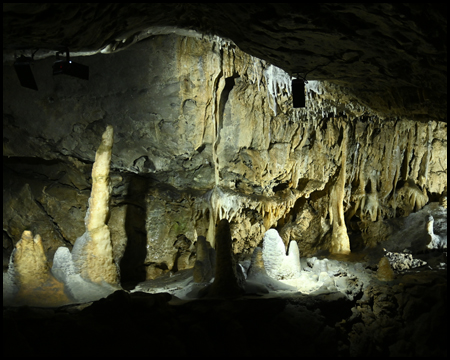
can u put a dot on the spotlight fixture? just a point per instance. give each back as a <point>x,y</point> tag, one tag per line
<point>22,65</point>
<point>298,93</point>
<point>68,67</point>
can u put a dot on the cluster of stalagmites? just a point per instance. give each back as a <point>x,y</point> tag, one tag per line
<point>267,266</point>
<point>85,274</point>
<point>89,271</point>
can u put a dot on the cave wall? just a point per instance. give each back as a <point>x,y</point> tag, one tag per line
<point>204,131</point>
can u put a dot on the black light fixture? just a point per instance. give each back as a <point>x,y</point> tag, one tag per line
<point>298,93</point>
<point>22,65</point>
<point>68,67</point>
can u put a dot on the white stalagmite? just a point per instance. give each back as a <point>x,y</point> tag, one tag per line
<point>273,253</point>
<point>92,253</point>
<point>291,264</point>
<point>277,264</point>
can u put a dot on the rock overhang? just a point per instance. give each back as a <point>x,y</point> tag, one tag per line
<point>391,56</point>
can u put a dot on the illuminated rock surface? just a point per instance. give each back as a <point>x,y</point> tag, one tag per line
<point>28,280</point>
<point>203,132</point>
<point>92,253</point>
<point>204,128</point>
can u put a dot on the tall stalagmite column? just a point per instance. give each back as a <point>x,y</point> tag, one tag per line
<point>340,243</point>
<point>93,253</point>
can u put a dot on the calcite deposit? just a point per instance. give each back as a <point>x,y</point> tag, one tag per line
<point>92,253</point>
<point>214,217</point>
<point>203,132</point>
<point>29,280</point>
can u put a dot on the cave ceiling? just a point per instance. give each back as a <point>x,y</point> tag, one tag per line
<point>393,50</point>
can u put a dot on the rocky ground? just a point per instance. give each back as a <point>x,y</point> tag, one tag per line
<point>403,317</point>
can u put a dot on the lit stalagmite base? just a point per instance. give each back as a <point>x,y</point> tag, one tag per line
<point>30,280</point>
<point>88,273</point>
<point>92,253</point>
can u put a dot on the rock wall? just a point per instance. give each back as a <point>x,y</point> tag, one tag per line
<point>203,132</point>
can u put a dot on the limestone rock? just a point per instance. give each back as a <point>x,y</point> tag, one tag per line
<point>402,261</point>
<point>414,231</point>
<point>202,118</point>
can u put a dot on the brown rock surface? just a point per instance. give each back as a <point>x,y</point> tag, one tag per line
<point>199,136</point>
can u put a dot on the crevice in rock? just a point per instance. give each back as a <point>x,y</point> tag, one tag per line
<point>55,225</point>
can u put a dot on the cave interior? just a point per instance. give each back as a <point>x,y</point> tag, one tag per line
<point>161,189</point>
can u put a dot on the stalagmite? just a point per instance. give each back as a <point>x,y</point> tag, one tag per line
<point>30,274</point>
<point>92,253</point>
<point>205,263</point>
<point>226,282</point>
<point>258,281</point>
<point>257,264</point>
<point>385,272</point>
<point>340,243</point>
<point>273,253</point>
<point>30,262</point>
<point>443,199</point>
<point>433,240</point>
<point>277,264</point>
<point>292,262</point>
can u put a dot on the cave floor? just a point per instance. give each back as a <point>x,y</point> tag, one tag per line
<point>405,317</point>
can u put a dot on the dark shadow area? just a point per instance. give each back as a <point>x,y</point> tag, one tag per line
<point>132,268</point>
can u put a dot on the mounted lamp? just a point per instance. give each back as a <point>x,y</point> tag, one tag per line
<point>68,67</point>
